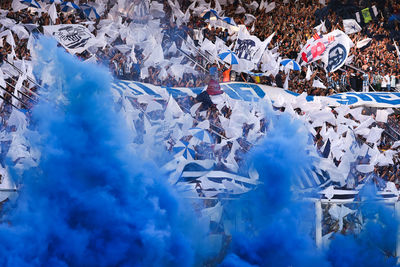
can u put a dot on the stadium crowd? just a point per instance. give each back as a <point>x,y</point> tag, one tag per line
<point>293,23</point>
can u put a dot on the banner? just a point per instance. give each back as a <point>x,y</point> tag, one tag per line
<point>254,92</point>
<point>73,37</point>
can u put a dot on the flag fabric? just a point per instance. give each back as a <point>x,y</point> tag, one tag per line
<point>68,6</point>
<point>229,57</point>
<point>374,11</point>
<point>327,149</point>
<point>269,7</point>
<point>358,18</point>
<point>366,15</point>
<point>321,27</point>
<point>351,26</point>
<point>75,38</point>
<point>211,14</point>
<point>337,52</point>
<point>315,48</point>
<point>290,64</point>
<point>286,84</point>
<point>248,49</point>
<point>316,36</point>
<point>397,49</point>
<point>89,11</point>
<point>229,20</point>
<point>53,13</point>
<point>318,84</point>
<point>30,3</point>
<point>309,73</point>
<point>363,43</point>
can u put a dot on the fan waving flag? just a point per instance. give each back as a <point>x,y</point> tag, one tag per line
<point>229,57</point>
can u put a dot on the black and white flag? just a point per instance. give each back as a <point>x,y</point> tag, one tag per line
<point>73,37</point>
<point>249,50</point>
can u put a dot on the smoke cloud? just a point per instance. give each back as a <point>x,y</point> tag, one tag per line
<point>276,227</point>
<point>91,201</point>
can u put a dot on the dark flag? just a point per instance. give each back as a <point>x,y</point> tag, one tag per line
<point>327,149</point>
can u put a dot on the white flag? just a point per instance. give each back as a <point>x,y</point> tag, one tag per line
<point>351,26</point>
<point>309,73</point>
<point>358,17</point>
<point>321,27</point>
<point>397,49</point>
<point>73,37</point>
<point>286,84</point>
<point>374,10</point>
<point>2,81</point>
<point>381,115</point>
<point>53,13</point>
<point>363,42</point>
<point>318,84</point>
<point>269,7</point>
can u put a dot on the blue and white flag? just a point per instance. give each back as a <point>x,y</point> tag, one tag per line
<point>336,53</point>
<point>351,26</point>
<point>31,3</point>
<point>68,6</point>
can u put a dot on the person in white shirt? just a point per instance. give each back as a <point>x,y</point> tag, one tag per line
<point>386,82</point>
<point>393,82</point>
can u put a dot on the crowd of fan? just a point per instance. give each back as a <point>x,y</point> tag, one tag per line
<point>293,23</point>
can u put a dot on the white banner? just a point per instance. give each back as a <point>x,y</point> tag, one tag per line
<point>255,92</point>
<point>73,37</point>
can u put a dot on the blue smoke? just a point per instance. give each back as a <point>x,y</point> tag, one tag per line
<point>276,229</point>
<point>375,244</point>
<point>272,234</point>
<point>91,201</point>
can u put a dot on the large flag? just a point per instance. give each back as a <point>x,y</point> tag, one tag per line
<point>314,48</point>
<point>249,50</point>
<point>73,37</point>
<point>333,48</point>
<point>336,54</point>
<point>351,26</point>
